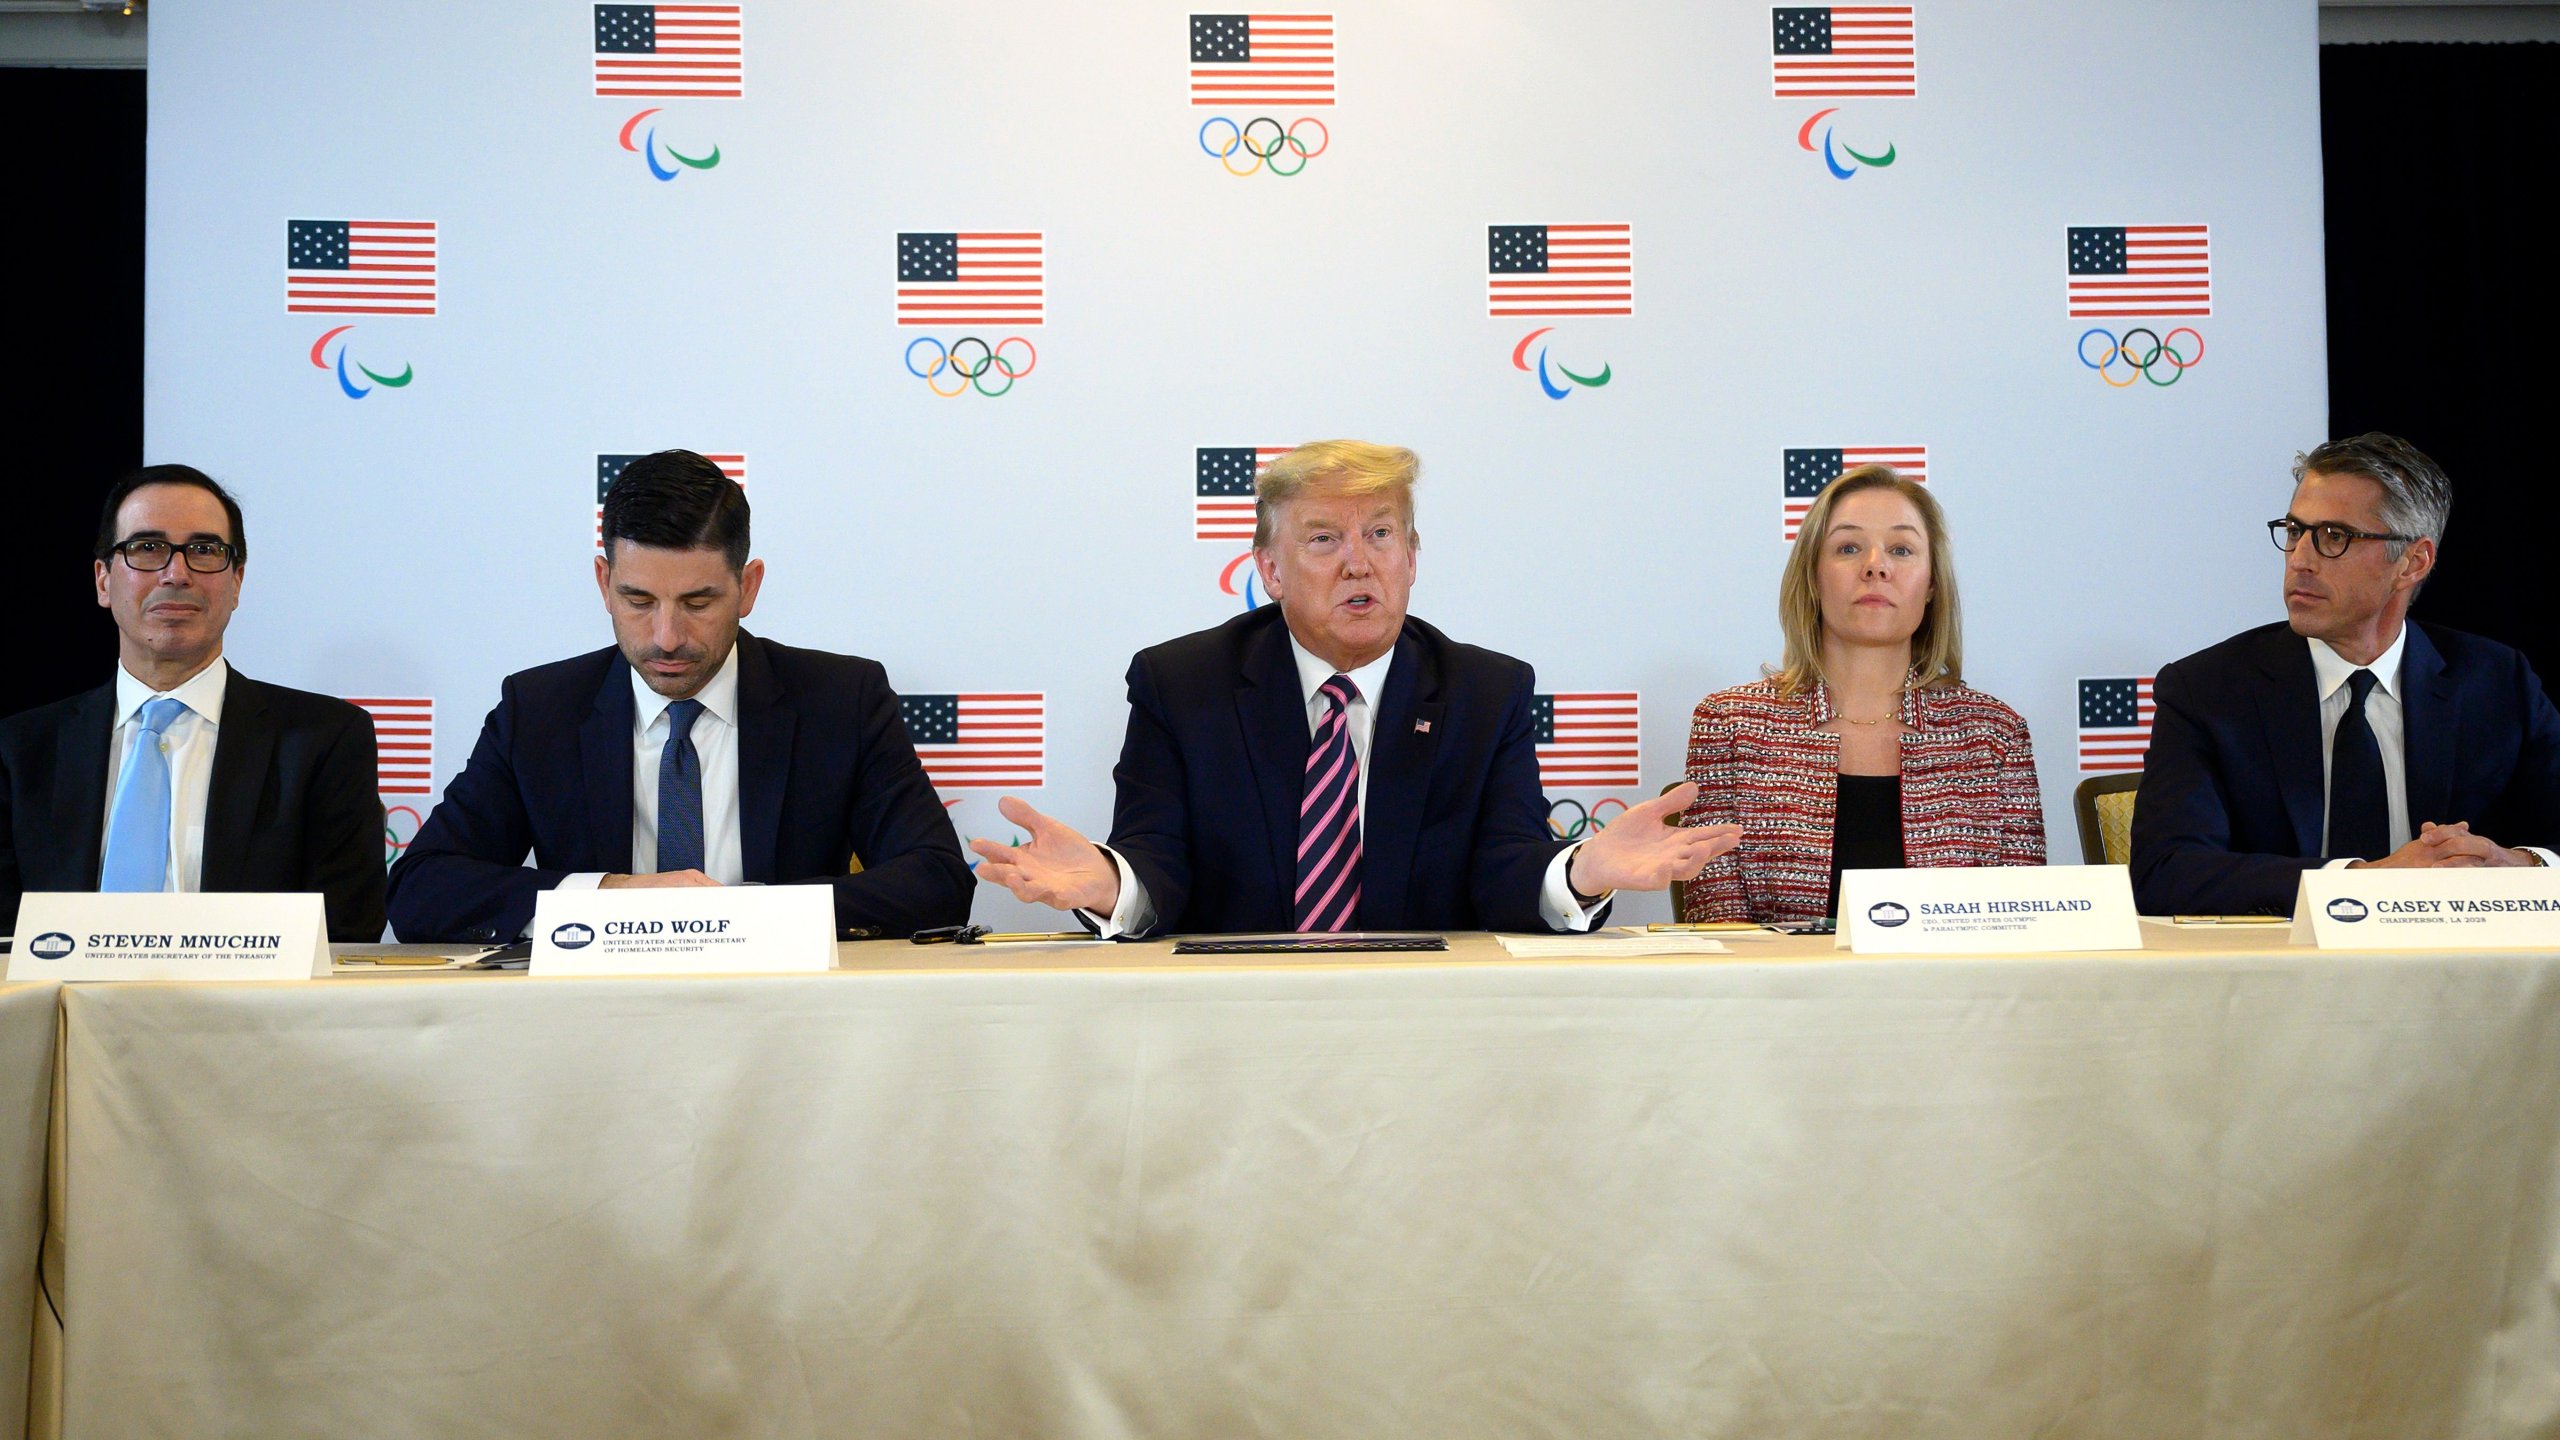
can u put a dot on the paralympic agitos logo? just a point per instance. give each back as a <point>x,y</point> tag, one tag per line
<point>647,147</point>
<point>1832,151</point>
<point>321,358</point>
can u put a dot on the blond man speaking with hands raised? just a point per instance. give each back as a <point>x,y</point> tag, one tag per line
<point>1329,763</point>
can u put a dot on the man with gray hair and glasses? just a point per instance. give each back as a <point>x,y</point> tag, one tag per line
<point>2345,736</point>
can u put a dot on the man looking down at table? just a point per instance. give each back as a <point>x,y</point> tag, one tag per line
<point>1328,763</point>
<point>182,774</point>
<point>686,753</point>
<point>2346,735</point>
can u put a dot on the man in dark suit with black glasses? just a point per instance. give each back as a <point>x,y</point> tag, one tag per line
<point>2346,735</point>
<point>182,774</point>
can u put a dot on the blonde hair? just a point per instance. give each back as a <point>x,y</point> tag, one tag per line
<point>1355,467</point>
<point>1937,647</point>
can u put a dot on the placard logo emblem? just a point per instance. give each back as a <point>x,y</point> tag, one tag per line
<point>2347,911</point>
<point>572,936</point>
<point>1887,914</point>
<point>51,945</point>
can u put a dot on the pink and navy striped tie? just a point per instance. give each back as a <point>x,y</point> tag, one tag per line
<point>1329,819</point>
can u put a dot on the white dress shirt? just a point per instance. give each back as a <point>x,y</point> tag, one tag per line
<point>2390,734</point>
<point>715,747</point>
<point>189,743</point>
<point>1556,905</point>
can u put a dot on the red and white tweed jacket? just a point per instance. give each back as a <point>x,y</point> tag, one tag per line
<point>1969,794</point>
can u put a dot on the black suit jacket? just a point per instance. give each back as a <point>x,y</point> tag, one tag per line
<point>2232,802</point>
<point>292,804</point>
<point>826,773</point>
<point>1455,837</point>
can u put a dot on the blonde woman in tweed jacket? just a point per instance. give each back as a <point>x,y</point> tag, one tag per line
<point>1865,749</point>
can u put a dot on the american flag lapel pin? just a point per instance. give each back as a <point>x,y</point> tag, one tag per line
<point>1421,727</point>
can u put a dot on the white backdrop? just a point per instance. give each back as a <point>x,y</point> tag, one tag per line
<point>426,539</point>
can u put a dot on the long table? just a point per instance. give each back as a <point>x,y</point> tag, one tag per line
<point>27,1026</point>
<point>2217,1188</point>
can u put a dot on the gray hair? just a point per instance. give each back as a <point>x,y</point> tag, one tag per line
<point>2416,495</point>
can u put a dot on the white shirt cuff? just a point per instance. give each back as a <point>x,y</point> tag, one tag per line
<point>2547,857</point>
<point>581,880</point>
<point>1133,914</point>
<point>1556,904</point>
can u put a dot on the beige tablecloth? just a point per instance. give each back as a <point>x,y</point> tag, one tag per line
<point>2207,1191</point>
<point>27,1027</point>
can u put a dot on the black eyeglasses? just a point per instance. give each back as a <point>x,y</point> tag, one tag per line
<point>2330,539</point>
<point>205,557</point>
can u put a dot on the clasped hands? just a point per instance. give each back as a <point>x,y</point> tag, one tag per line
<point>2447,847</point>
<point>1644,849</point>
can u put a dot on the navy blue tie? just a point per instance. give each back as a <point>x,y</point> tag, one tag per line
<point>680,791</point>
<point>2359,807</point>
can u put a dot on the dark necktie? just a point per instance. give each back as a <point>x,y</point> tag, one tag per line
<point>1329,819</point>
<point>2359,809</point>
<point>680,791</point>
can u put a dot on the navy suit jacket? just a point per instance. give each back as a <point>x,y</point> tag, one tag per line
<point>2231,807</point>
<point>1455,837</point>
<point>826,774</point>
<point>291,804</point>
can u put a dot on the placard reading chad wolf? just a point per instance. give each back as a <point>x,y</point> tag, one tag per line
<point>2428,909</point>
<point>733,930</point>
<point>1988,911</point>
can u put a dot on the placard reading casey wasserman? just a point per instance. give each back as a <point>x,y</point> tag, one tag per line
<point>2375,909</point>
<point>1989,910</point>
<point>708,930</point>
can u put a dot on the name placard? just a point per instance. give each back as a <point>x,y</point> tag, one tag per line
<point>722,930</point>
<point>1988,911</point>
<point>2469,909</point>
<point>159,936</point>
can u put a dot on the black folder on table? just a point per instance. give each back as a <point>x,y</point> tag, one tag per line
<point>1319,942</point>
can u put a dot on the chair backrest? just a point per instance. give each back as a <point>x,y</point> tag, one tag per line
<point>2103,804</point>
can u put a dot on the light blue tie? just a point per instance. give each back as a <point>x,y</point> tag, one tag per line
<point>138,836</point>
<point>680,792</point>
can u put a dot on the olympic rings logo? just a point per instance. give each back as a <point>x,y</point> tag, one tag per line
<point>1266,151</point>
<point>1583,822</point>
<point>393,841</point>
<point>2145,358</point>
<point>972,368</point>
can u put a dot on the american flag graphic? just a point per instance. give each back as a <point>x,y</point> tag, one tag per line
<point>1560,270</point>
<point>694,51</point>
<point>977,741</point>
<point>1807,471</point>
<point>609,469</point>
<point>2141,270</point>
<point>969,277</point>
<point>404,739</point>
<point>1269,61</point>
<point>1222,489</point>
<point>1586,739</point>
<point>1842,50</point>
<point>2115,722</point>
<point>360,267</point>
